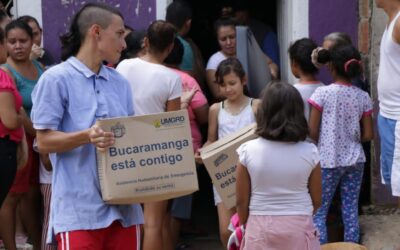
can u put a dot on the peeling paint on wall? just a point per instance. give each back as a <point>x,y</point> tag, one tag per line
<point>57,16</point>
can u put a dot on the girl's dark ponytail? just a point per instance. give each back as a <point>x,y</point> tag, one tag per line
<point>323,56</point>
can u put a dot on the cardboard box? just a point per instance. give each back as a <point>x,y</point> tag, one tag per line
<point>152,159</point>
<point>220,159</point>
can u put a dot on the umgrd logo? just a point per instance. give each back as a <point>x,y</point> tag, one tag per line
<point>220,159</point>
<point>118,130</point>
<point>169,121</point>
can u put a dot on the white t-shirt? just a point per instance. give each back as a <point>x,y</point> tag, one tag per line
<point>389,74</point>
<point>152,85</point>
<point>306,90</point>
<point>215,60</point>
<point>279,173</point>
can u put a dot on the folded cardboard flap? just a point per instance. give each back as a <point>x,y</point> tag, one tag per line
<point>152,158</point>
<point>220,159</point>
<point>224,141</point>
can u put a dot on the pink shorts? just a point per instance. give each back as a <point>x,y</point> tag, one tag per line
<point>280,232</point>
<point>114,237</point>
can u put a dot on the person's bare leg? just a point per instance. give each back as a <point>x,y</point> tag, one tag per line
<point>175,227</point>
<point>169,233</point>
<point>7,220</point>
<point>30,215</point>
<point>154,217</point>
<point>224,218</point>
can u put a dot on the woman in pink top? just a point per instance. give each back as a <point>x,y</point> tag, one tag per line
<point>196,103</point>
<point>11,133</point>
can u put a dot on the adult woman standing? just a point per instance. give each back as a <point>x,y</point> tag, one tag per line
<point>155,89</point>
<point>225,30</point>
<point>25,72</point>
<point>11,131</point>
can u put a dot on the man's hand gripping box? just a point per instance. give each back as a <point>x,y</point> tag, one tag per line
<point>152,159</point>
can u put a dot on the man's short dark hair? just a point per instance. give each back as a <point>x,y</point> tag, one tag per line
<point>89,14</point>
<point>178,12</point>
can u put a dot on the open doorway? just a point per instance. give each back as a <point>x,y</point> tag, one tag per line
<point>207,11</point>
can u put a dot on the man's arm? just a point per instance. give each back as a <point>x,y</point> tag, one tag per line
<point>52,141</point>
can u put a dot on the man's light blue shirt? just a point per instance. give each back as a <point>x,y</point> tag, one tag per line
<point>70,97</point>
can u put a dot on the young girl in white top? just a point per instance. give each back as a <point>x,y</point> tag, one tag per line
<point>227,117</point>
<point>303,69</point>
<point>340,121</point>
<point>278,176</point>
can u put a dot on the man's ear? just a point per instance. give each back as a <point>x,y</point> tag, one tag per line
<point>94,31</point>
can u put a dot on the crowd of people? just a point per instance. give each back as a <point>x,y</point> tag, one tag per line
<point>309,143</point>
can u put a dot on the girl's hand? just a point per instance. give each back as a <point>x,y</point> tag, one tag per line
<point>187,96</point>
<point>101,139</point>
<point>197,158</point>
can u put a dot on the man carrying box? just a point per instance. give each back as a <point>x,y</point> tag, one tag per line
<point>67,101</point>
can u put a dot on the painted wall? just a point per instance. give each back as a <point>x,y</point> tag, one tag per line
<point>57,15</point>
<point>330,16</point>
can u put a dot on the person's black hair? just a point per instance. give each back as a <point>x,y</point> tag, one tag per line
<point>2,36</point>
<point>134,44</point>
<point>346,60</point>
<point>227,66</point>
<point>3,15</point>
<point>28,19</point>
<point>176,55</point>
<point>89,14</point>
<point>241,5</point>
<point>222,22</point>
<point>160,35</point>
<point>300,52</point>
<point>280,116</point>
<point>18,24</point>
<point>178,12</point>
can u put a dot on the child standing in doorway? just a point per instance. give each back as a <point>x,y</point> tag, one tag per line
<point>226,117</point>
<point>278,176</point>
<point>340,121</point>
<point>303,69</point>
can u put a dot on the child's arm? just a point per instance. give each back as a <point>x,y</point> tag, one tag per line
<point>367,131</point>
<point>314,123</point>
<point>242,193</point>
<point>212,129</point>
<point>315,187</point>
<point>173,105</point>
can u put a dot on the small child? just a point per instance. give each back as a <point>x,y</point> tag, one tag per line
<point>303,69</point>
<point>226,117</point>
<point>340,121</point>
<point>278,176</point>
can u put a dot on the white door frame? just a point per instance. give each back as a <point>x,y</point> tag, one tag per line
<point>293,23</point>
<point>161,8</point>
